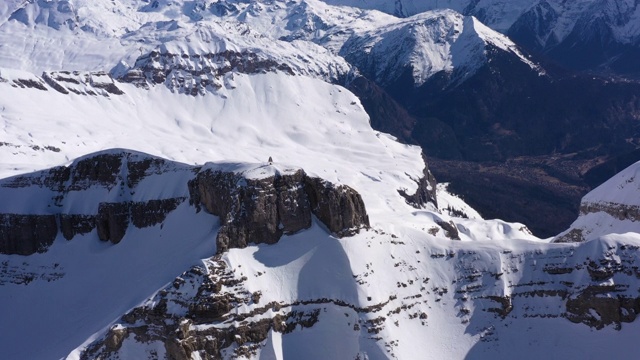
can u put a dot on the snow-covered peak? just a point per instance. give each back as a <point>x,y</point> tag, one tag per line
<point>554,20</point>
<point>272,29</point>
<point>498,14</point>
<point>426,44</point>
<point>611,208</point>
<point>621,189</point>
<point>621,17</point>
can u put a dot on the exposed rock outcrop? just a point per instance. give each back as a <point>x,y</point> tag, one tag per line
<point>340,208</point>
<point>450,229</point>
<point>26,234</point>
<point>262,210</point>
<point>176,328</point>
<point>72,225</point>
<point>82,83</point>
<point>114,174</point>
<point>195,74</point>
<point>611,208</point>
<point>617,211</point>
<point>426,192</point>
<point>573,236</point>
<point>595,306</point>
<point>251,210</point>
<point>196,316</point>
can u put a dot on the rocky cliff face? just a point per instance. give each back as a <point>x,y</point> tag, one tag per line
<point>262,210</point>
<point>252,210</point>
<point>195,74</point>
<point>211,311</point>
<point>105,182</point>
<point>93,83</point>
<point>182,324</point>
<point>426,192</point>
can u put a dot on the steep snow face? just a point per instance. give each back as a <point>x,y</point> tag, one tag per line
<point>611,208</point>
<point>426,44</point>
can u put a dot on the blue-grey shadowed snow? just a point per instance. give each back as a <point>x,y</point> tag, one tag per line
<point>100,282</point>
<point>537,322</point>
<point>325,274</point>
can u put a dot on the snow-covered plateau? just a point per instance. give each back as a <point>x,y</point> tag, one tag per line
<point>193,180</point>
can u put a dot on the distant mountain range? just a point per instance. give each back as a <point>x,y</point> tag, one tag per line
<point>601,36</point>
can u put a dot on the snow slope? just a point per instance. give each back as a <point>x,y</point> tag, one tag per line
<point>433,41</point>
<point>296,120</point>
<point>611,208</point>
<point>401,289</point>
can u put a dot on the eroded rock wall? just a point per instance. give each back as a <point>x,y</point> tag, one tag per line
<point>251,210</point>
<point>262,210</point>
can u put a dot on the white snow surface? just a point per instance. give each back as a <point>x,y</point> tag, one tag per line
<point>298,121</point>
<point>620,189</point>
<point>612,207</point>
<point>79,288</point>
<point>98,35</point>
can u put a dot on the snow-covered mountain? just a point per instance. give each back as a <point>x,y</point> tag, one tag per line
<point>553,19</point>
<point>432,42</point>
<point>425,45</point>
<point>585,34</point>
<point>610,208</point>
<point>294,119</point>
<point>192,179</point>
